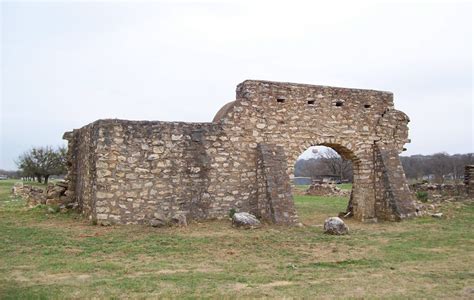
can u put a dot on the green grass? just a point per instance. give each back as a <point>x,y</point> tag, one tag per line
<point>46,256</point>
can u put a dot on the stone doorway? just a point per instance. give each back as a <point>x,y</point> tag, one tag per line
<point>322,183</point>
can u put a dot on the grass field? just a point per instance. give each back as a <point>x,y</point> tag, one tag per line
<point>63,256</point>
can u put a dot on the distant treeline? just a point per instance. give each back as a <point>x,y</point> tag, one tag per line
<point>436,167</point>
<point>10,174</point>
<point>328,164</point>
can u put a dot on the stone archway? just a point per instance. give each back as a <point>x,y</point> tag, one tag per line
<point>363,195</point>
<point>344,153</point>
<point>361,125</point>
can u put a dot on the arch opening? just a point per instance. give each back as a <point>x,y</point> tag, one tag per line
<point>323,182</point>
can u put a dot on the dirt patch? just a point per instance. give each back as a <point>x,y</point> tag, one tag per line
<point>276,283</point>
<point>49,278</point>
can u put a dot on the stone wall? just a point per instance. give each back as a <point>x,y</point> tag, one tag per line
<point>129,171</point>
<point>54,194</point>
<point>433,191</point>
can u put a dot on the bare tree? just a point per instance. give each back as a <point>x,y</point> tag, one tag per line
<point>43,162</point>
<point>336,164</point>
<point>439,166</point>
<point>324,162</point>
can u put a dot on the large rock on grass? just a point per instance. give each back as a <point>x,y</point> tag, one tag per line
<point>246,220</point>
<point>335,226</point>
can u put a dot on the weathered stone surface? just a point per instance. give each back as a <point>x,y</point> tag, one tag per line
<point>125,171</point>
<point>179,220</point>
<point>32,194</point>
<point>158,223</point>
<point>53,195</point>
<point>440,190</point>
<point>17,188</point>
<point>326,189</point>
<point>335,226</point>
<point>246,220</point>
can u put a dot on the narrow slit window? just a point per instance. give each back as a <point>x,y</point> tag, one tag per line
<point>339,103</point>
<point>310,102</point>
<point>281,100</point>
<point>367,105</point>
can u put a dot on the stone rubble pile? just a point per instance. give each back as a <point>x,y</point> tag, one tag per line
<point>439,190</point>
<point>32,194</point>
<point>54,195</point>
<point>434,205</point>
<point>326,189</point>
<point>160,220</point>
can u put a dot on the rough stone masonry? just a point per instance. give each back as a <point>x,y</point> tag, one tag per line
<point>130,172</point>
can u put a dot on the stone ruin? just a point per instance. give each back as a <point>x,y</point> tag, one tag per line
<point>132,172</point>
<point>55,194</point>
<point>326,189</point>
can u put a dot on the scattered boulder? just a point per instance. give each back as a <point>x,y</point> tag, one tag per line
<point>158,223</point>
<point>33,195</point>
<point>437,215</point>
<point>159,220</point>
<point>55,191</point>
<point>17,189</point>
<point>246,220</point>
<point>335,226</point>
<point>179,219</point>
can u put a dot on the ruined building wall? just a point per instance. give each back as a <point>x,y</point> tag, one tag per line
<point>82,175</point>
<point>134,171</point>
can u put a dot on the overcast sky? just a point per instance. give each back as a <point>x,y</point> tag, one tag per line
<point>66,64</point>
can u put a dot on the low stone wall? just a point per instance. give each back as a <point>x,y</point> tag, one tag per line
<point>53,195</point>
<point>440,190</point>
<point>32,194</point>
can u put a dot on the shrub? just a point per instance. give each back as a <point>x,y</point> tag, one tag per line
<point>232,212</point>
<point>422,196</point>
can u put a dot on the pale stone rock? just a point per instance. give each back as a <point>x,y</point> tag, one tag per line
<point>246,220</point>
<point>335,226</point>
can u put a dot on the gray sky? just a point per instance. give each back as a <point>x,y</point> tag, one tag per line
<point>66,64</point>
